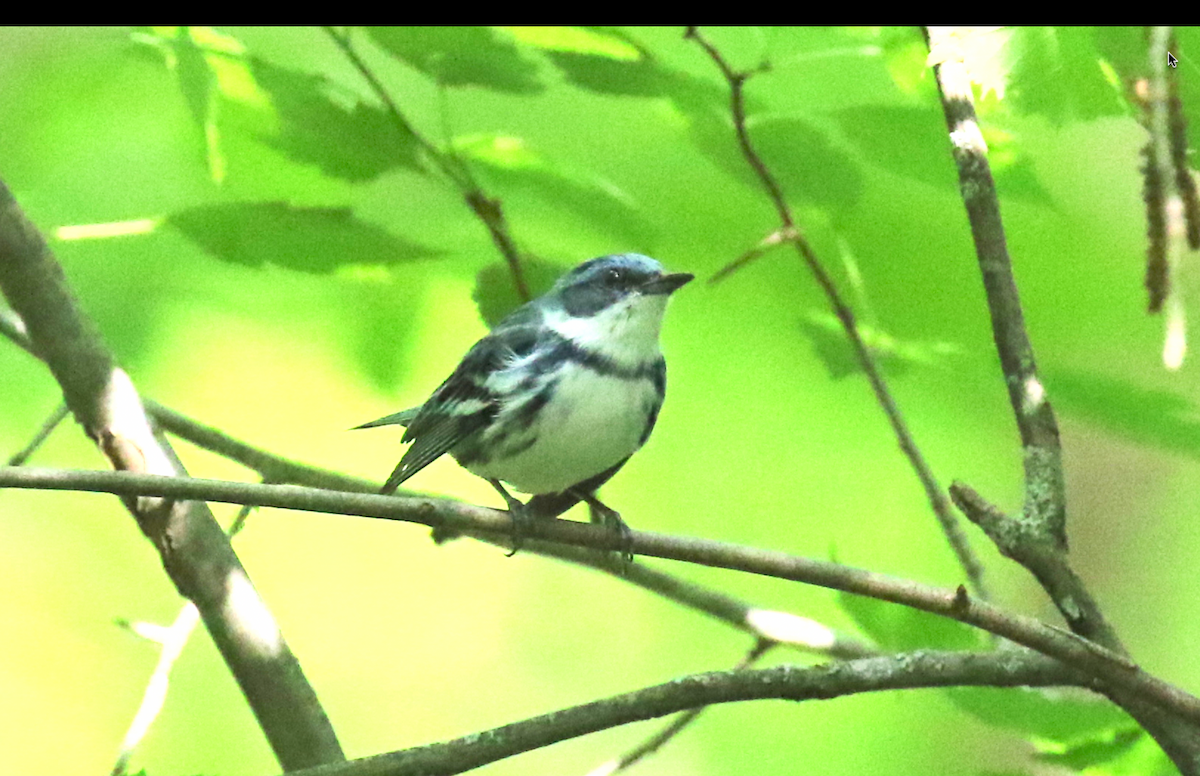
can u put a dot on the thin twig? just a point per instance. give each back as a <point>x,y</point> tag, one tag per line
<point>933,492</point>
<point>766,625</point>
<point>171,641</point>
<point>56,416</point>
<point>676,726</point>
<point>1115,670</point>
<point>487,209</point>
<point>1045,561</point>
<point>789,682</point>
<point>778,237</point>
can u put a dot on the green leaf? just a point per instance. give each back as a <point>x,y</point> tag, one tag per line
<point>1063,715</point>
<point>595,41</point>
<point>1104,748</point>
<point>901,628</point>
<point>1159,418</point>
<point>1056,72</point>
<point>1187,78</point>
<point>309,239</point>
<point>601,60</point>
<point>905,140</point>
<point>1117,752</point>
<point>461,56</point>
<point>319,123</point>
<point>803,161</point>
<point>196,78</point>
<point>495,291</point>
<point>509,165</point>
<point>912,142</point>
<point>894,356</point>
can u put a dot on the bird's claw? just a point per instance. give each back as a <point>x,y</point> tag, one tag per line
<point>520,525</point>
<point>611,519</point>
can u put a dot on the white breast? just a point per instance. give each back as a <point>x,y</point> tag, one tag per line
<point>590,424</point>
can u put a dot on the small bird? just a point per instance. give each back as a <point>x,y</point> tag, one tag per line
<point>558,396</point>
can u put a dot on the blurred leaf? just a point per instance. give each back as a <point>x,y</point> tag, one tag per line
<point>800,157</point>
<point>1125,48</point>
<point>984,51</point>
<point>196,78</point>
<point>806,164</point>
<point>1159,418</point>
<point>901,628</point>
<point>912,142</point>
<point>376,328</point>
<point>1187,77</point>
<point>461,56</point>
<point>1093,751</point>
<point>1056,73</point>
<point>320,124</point>
<point>496,294</point>
<point>1012,168</point>
<point>307,117</point>
<point>309,239</point>
<point>596,41</point>
<point>905,140</point>
<point>608,61</point>
<point>905,55</point>
<point>1118,752</point>
<point>508,163</point>
<point>893,355</point>
<point>1064,715</point>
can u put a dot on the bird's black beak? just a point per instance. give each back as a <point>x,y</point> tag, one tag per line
<point>667,284</point>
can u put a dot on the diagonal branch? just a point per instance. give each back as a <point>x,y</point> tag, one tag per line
<point>1037,537</point>
<point>676,726</point>
<point>194,551</point>
<point>487,209</point>
<point>1116,671</point>
<point>788,682</point>
<point>933,491</point>
<point>1044,514</point>
<point>21,456</point>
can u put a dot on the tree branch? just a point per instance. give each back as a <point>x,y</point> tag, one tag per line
<point>1044,514</point>
<point>1116,671</point>
<point>788,682</point>
<point>43,433</point>
<point>487,209</point>
<point>768,624</point>
<point>1037,538</point>
<point>194,551</point>
<point>676,726</point>
<point>933,492</point>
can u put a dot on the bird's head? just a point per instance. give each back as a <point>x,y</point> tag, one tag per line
<point>613,304</point>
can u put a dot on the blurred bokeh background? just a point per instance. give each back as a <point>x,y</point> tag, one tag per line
<point>229,310</point>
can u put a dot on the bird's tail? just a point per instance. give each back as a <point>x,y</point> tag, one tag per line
<point>401,418</point>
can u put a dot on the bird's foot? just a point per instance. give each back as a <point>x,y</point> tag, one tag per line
<point>519,513</point>
<point>611,519</point>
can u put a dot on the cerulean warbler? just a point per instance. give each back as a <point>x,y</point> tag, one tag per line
<point>558,396</point>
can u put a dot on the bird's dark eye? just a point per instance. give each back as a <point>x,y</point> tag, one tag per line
<point>614,276</point>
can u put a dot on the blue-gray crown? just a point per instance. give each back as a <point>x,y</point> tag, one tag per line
<point>596,284</point>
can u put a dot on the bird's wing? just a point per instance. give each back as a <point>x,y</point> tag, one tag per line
<point>462,405</point>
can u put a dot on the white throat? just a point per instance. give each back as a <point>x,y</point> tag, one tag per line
<point>625,332</point>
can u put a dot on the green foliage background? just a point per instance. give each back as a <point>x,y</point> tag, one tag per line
<point>306,273</point>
